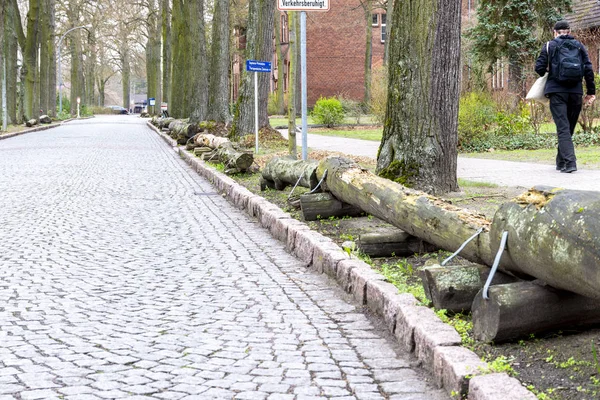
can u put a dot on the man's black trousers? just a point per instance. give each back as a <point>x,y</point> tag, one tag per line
<point>565,109</point>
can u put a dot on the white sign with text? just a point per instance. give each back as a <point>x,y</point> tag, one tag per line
<point>303,5</point>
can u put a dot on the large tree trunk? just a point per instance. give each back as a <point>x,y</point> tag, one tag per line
<point>197,66</point>
<point>12,69</point>
<point>293,72</point>
<point>51,59</point>
<point>178,106</point>
<point>283,171</point>
<point>388,30</point>
<point>44,71</point>
<point>419,142</point>
<point>2,65</point>
<point>30,60</point>
<point>125,76</point>
<point>415,212</point>
<point>218,100</point>
<point>259,46</point>
<point>554,235</point>
<point>166,50</point>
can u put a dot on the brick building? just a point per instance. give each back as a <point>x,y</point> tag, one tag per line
<point>336,46</point>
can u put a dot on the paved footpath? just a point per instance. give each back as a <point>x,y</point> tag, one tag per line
<point>124,275</point>
<point>503,173</point>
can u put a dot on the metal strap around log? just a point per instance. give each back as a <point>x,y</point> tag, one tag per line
<point>320,182</point>
<point>495,266</point>
<point>297,182</point>
<point>447,260</point>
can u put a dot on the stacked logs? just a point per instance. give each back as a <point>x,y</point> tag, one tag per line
<point>215,148</point>
<point>553,235</point>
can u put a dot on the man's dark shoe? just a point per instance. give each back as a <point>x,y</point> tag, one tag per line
<point>560,167</point>
<point>568,170</point>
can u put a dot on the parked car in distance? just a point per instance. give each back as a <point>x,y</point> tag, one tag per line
<point>119,110</point>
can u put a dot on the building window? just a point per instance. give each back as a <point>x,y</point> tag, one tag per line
<point>383,28</point>
<point>375,19</point>
<point>383,19</point>
<point>498,76</point>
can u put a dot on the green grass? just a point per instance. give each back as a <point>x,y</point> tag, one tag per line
<point>281,121</point>
<point>364,134</point>
<point>466,183</point>
<point>588,157</point>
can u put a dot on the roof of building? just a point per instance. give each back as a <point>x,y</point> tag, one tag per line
<point>585,15</point>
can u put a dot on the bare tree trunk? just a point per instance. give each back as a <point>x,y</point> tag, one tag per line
<point>278,40</point>
<point>51,59</point>
<point>259,46</point>
<point>419,142</point>
<point>2,65</point>
<point>218,100</point>
<point>125,77</point>
<point>293,72</point>
<point>388,30</point>
<point>197,65</point>
<point>180,48</point>
<point>166,50</point>
<point>12,70</point>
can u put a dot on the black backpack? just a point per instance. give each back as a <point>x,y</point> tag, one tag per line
<point>569,62</point>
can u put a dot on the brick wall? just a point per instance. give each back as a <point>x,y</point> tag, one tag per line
<point>336,51</point>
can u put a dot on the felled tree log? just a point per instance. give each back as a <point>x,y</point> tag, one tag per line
<point>523,308</point>
<point>417,213</point>
<point>234,159</point>
<point>283,171</point>
<point>31,122</point>
<point>454,288</point>
<point>554,235</point>
<point>182,130</point>
<point>388,244</point>
<point>164,122</point>
<point>44,119</point>
<point>212,141</point>
<point>324,205</point>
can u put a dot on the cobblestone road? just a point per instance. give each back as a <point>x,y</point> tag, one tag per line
<point>124,275</point>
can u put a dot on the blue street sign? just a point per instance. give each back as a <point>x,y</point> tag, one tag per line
<point>258,66</point>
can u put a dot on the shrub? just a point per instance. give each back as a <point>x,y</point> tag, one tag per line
<point>476,115</point>
<point>328,111</point>
<point>379,94</point>
<point>351,107</point>
<point>272,105</point>
<point>510,124</point>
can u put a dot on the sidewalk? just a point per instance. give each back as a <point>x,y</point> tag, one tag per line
<point>503,173</point>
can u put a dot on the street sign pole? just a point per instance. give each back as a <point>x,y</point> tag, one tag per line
<point>256,111</point>
<point>303,7</point>
<point>256,67</point>
<point>304,85</point>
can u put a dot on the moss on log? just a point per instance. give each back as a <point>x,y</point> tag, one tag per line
<point>554,235</point>
<point>454,288</point>
<point>234,159</point>
<point>417,213</point>
<point>518,309</point>
<point>283,171</point>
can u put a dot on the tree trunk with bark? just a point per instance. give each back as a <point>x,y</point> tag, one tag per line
<point>283,171</point>
<point>259,46</point>
<point>2,65</point>
<point>178,106</point>
<point>324,205</point>
<point>389,11</point>
<point>293,71</point>
<point>197,65</point>
<point>166,49</point>
<point>51,59</point>
<point>218,94</point>
<point>419,144</point>
<point>125,76</point>
<point>12,69</point>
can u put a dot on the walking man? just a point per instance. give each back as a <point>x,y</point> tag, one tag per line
<point>567,62</point>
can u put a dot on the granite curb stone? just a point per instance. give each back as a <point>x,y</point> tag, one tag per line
<point>417,328</point>
<point>498,386</point>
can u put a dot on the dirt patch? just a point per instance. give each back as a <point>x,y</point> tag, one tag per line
<point>559,365</point>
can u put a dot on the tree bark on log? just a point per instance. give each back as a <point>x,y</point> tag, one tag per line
<point>165,122</point>
<point>390,244</point>
<point>182,130</point>
<point>323,205</point>
<point>554,235</point>
<point>523,308</point>
<point>454,288</point>
<point>212,141</point>
<point>417,213</point>
<point>281,172</point>
<point>234,159</point>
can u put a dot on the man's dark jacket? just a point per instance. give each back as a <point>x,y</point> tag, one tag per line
<point>553,86</point>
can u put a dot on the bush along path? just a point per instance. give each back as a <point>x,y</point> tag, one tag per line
<point>417,327</point>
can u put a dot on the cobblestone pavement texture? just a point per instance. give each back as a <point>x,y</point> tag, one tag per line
<point>124,275</point>
<point>503,173</point>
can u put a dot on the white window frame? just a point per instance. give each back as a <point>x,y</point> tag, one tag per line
<point>375,19</point>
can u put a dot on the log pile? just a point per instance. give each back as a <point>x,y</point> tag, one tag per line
<point>182,131</point>
<point>323,205</point>
<point>392,244</point>
<point>31,122</point>
<point>217,148</point>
